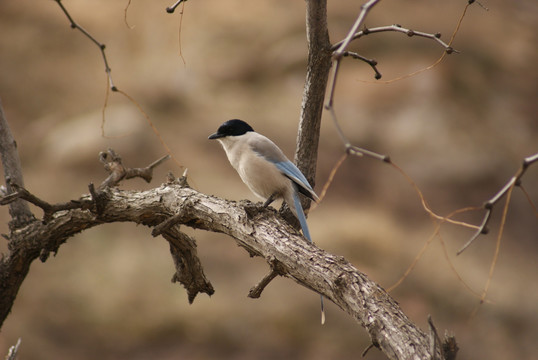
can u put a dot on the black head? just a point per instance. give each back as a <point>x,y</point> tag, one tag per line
<point>233,127</point>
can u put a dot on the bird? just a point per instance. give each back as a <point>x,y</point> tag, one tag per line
<point>266,171</point>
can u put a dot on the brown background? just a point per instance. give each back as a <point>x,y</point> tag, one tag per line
<point>460,131</point>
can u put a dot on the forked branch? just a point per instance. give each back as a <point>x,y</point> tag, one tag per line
<point>489,204</point>
<point>101,46</point>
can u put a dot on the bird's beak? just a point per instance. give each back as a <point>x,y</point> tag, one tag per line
<point>215,136</point>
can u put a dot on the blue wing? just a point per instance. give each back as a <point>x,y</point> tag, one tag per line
<point>294,174</point>
<point>272,153</point>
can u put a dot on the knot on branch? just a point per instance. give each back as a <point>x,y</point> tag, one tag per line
<point>99,199</point>
<point>182,181</point>
<point>253,210</point>
<point>277,269</point>
<point>113,164</point>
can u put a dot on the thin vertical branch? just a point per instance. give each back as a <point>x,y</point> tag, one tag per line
<point>101,46</point>
<point>19,209</point>
<point>319,63</point>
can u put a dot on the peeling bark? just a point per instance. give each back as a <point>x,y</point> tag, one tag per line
<point>262,232</point>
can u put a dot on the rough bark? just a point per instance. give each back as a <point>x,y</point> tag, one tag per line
<point>317,72</point>
<point>260,231</point>
<point>19,210</point>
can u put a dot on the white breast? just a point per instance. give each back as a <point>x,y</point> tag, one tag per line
<point>261,176</point>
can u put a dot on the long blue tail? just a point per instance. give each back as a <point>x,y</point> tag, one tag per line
<point>301,217</point>
<point>306,233</point>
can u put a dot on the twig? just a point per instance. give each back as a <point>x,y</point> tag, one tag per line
<point>153,127</point>
<point>413,264</point>
<point>365,8</point>
<point>434,340</point>
<point>111,86</point>
<point>488,205</point>
<point>497,246</point>
<point>48,209</point>
<point>438,61</point>
<point>427,207</point>
<point>112,163</point>
<point>330,101</point>
<point>101,46</point>
<point>165,225</point>
<point>276,270</point>
<point>357,151</point>
<point>147,172</point>
<point>365,351</point>
<point>351,149</point>
<point>398,28</point>
<point>171,9</point>
<point>330,179</point>
<point>370,62</point>
<point>12,353</point>
<point>339,51</point>
<point>125,15</point>
<point>453,268</point>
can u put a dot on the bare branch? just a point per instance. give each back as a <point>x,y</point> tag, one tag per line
<point>317,72</point>
<point>351,149</point>
<point>171,9</point>
<point>398,28</point>
<point>368,348</point>
<point>371,62</point>
<point>48,209</point>
<point>101,46</point>
<point>434,339</point>
<point>262,233</point>
<point>339,51</point>
<point>276,270</point>
<point>488,205</point>
<point>189,270</point>
<point>113,164</point>
<point>117,173</point>
<point>13,351</point>
<point>365,9</point>
<point>18,209</point>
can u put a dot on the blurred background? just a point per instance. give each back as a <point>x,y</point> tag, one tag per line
<point>460,131</point>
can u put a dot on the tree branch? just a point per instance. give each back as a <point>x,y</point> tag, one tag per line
<point>319,64</point>
<point>172,8</point>
<point>488,205</point>
<point>18,209</point>
<point>112,163</point>
<point>13,351</point>
<point>101,46</point>
<point>398,28</point>
<point>263,233</point>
